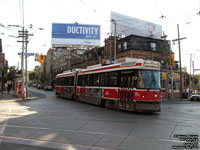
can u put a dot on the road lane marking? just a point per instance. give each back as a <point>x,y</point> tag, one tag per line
<point>96,133</point>
<point>47,143</point>
<point>5,124</point>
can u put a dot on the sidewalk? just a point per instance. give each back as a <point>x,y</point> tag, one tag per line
<point>177,101</point>
<point>5,96</point>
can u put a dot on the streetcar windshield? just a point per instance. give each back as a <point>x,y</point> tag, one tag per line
<point>148,79</point>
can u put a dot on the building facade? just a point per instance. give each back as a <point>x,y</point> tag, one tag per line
<point>3,67</point>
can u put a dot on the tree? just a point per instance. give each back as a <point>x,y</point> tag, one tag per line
<point>32,75</point>
<point>197,81</point>
<point>10,76</point>
<point>11,73</point>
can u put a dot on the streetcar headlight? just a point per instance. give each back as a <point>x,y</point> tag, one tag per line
<point>155,95</point>
<point>142,95</point>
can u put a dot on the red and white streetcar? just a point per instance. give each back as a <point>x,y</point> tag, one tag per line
<point>133,84</point>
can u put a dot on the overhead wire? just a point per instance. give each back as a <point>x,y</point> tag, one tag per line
<point>60,8</point>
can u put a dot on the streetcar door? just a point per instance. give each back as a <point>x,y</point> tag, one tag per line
<point>126,92</point>
<point>127,83</point>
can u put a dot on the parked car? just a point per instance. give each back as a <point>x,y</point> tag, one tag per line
<point>195,96</point>
<point>34,85</point>
<point>40,86</point>
<point>48,88</point>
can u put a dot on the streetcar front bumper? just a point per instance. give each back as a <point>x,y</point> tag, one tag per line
<point>142,106</point>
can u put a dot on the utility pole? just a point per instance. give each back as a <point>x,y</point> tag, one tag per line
<point>26,61</point>
<point>26,67</point>
<point>193,81</point>
<point>190,77</point>
<point>21,34</point>
<point>24,35</point>
<point>172,79</point>
<point>190,73</point>
<point>179,46</point>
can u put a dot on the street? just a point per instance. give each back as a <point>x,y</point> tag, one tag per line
<point>46,122</point>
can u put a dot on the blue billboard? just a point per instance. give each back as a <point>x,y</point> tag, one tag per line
<point>75,34</point>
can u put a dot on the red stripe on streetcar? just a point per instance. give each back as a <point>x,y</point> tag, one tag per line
<point>100,69</point>
<point>63,75</point>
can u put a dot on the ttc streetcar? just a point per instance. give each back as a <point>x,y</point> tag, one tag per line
<point>133,85</point>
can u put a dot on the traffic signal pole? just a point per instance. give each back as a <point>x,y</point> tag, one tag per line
<point>22,63</point>
<point>172,78</point>
<point>26,64</point>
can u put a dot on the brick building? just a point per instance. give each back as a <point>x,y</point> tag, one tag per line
<point>3,67</point>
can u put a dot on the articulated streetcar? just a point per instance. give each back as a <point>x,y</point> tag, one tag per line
<point>133,86</point>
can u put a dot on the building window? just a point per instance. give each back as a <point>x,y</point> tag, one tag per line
<point>153,46</point>
<point>106,49</point>
<point>119,47</point>
<point>125,45</point>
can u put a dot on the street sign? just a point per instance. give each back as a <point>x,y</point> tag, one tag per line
<point>28,54</point>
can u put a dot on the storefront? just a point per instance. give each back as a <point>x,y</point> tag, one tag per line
<point>170,84</point>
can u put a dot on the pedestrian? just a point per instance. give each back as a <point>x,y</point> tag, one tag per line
<point>8,88</point>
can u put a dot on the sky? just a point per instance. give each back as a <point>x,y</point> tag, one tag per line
<point>42,13</point>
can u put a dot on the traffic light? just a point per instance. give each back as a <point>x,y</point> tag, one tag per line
<point>41,58</point>
<point>172,61</point>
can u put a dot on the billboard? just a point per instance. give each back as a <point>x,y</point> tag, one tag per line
<point>75,34</point>
<point>126,25</point>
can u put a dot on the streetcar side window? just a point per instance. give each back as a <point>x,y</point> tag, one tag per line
<point>129,82</point>
<point>113,79</point>
<point>128,79</point>
<point>65,81</point>
<point>140,82</point>
<point>82,80</point>
<point>62,81</point>
<point>71,81</point>
<point>93,80</point>
<point>104,79</point>
<point>58,81</point>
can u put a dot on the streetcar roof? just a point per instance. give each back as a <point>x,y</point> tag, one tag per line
<point>138,64</point>
<point>64,74</point>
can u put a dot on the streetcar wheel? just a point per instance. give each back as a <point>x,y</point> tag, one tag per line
<point>110,105</point>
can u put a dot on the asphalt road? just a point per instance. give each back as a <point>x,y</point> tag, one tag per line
<point>46,122</point>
